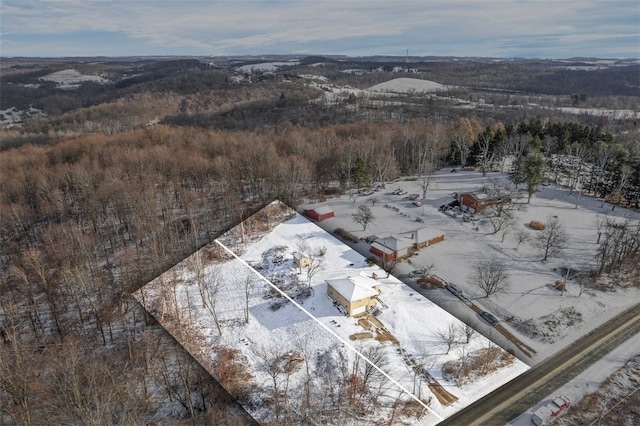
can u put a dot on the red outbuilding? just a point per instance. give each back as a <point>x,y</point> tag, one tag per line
<point>319,213</point>
<point>478,201</point>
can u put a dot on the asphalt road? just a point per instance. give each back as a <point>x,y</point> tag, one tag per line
<point>515,397</point>
<point>465,313</point>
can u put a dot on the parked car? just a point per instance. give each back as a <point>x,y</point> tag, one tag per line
<point>417,203</point>
<point>451,212</point>
<point>544,414</point>
<point>454,290</point>
<point>415,273</point>
<point>488,317</point>
<point>414,197</point>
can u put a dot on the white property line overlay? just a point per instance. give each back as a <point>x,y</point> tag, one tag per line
<point>228,250</point>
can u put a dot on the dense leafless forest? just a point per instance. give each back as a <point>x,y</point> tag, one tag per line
<point>114,182</point>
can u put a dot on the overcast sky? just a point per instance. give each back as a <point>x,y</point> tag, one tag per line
<point>506,28</point>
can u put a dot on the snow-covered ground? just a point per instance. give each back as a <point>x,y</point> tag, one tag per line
<point>408,85</point>
<point>530,304</point>
<point>265,66</point>
<point>12,117</point>
<point>616,114</point>
<point>315,77</point>
<point>71,79</point>
<point>315,326</point>
<point>402,86</point>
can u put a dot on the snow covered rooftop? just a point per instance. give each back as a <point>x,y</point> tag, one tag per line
<point>394,242</point>
<point>322,210</point>
<point>355,287</point>
<point>425,234</point>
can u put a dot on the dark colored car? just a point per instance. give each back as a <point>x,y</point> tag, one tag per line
<point>492,320</point>
<point>454,290</point>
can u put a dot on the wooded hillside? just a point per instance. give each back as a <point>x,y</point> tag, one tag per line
<point>93,204</point>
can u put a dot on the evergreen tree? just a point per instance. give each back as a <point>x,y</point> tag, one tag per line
<point>532,171</point>
<point>360,173</point>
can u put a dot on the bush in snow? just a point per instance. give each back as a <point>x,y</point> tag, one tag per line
<point>538,226</point>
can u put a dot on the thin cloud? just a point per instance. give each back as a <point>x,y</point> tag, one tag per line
<point>481,28</point>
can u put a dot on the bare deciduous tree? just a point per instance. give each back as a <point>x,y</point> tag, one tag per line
<point>315,265</point>
<point>371,380</point>
<point>248,287</point>
<point>426,177</point>
<point>303,251</point>
<point>448,337</point>
<point>363,216</point>
<point>271,360</point>
<point>552,239</point>
<point>388,265</point>
<point>485,158</point>
<point>467,330</point>
<point>502,222</point>
<point>620,248</point>
<point>463,148</point>
<point>490,276</point>
<point>209,288</point>
<point>521,236</point>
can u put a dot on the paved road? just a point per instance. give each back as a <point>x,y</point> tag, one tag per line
<point>468,314</point>
<point>515,397</point>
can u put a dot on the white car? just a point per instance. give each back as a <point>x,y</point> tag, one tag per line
<point>415,273</point>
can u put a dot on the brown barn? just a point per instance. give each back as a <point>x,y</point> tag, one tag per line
<point>319,213</point>
<point>476,201</point>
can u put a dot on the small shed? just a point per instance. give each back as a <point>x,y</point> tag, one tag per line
<point>319,213</point>
<point>355,293</point>
<point>392,247</point>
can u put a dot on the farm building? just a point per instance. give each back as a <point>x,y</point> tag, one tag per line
<point>355,293</point>
<point>319,213</point>
<point>392,247</point>
<point>476,201</point>
<point>400,246</point>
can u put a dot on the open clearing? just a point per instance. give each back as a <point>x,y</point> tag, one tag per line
<point>531,308</point>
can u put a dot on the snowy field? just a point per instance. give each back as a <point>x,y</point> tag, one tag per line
<point>212,299</point>
<point>531,308</point>
<point>615,114</point>
<point>71,79</point>
<point>265,66</point>
<point>399,86</point>
<point>408,85</point>
<point>12,117</point>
